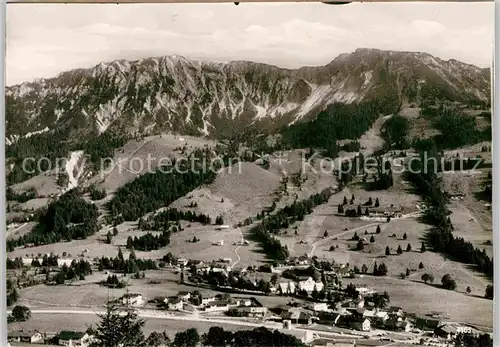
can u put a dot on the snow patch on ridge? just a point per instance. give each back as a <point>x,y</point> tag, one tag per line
<point>72,169</point>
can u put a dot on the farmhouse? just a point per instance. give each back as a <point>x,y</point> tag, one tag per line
<point>133,300</point>
<point>25,336</point>
<point>207,299</point>
<point>309,284</point>
<point>320,306</point>
<point>427,323</point>
<point>450,330</point>
<point>217,306</point>
<point>182,261</point>
<point>250,308</point>
<point>175,304</point>
<point>297,316</point>
<point>362,324</point>
<point>396,311</point>
<point>73,339</point>
<point>184,296</point>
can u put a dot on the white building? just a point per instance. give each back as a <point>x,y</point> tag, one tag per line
<point>287,287</point>
<point>73,339</point>
<point>133,300</point>
<point>309,285</point>
<point>184,296</point>
<point>207,299</point>
<point>26,336</point>
<point>175,304</point>
<point>320,306</point>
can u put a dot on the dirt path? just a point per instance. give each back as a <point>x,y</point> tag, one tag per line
<point>237,248</point>
<point>317,243</point>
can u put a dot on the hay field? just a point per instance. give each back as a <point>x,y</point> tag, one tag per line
<point>424,299</point>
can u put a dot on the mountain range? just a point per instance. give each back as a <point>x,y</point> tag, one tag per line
<point>172,93</point>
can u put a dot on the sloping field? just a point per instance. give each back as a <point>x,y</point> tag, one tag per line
<point>45,185</point>
<point>238,192</point>
<point>139,157</point>
<point>424,299</point>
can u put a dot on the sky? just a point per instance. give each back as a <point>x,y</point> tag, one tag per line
<point>45,40</point>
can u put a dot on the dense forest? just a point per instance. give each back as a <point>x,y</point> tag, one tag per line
<point>77,270</point>
<point>337,122</point>
<point>149,242</point>
<point>457,128</point>
<point>160,188</point>
<point>130,265</point>
<point>441,236</point>
<point>395,132</point>
<point>67,218</point>
<point>53,146</point>
<point>27,195</point>
<point>164,219</point>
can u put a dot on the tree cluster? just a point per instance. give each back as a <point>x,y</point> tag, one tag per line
<point>441,235</point>
<point>164,219</point>
<point>160,188</point>
<point>149,242</point>
<point>68,218</point>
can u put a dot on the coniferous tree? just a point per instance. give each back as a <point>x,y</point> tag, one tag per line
<point>378,229</point>
<point>372,239</point>
<point>408,248</point>
<point>423,249</point>
<point>377,203</point>
<point>109,237</point>
<point>118,327</point>
<point>399,250</point>
<point>387,250</point>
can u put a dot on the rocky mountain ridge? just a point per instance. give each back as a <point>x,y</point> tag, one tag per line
<point>172,93</point>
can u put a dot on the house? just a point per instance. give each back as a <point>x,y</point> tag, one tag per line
<point>26,336</point>
<point>244,301</point>
<point>382,316</point>
<point>297,316</point>
<point>217,306</point>
<point>207,299</point>
<point>427,323</point>
<point>404,325</point>
<point>133,300</point>
<point>73,339</point>
<point>356,303</point>
<point>184,296</point>
<point>222,227</point>
<point>362,324</point>
<point>182,261</point>
<point>250,308</point>
<point>365,290</point>
<point>450,330</point>
<point>175,304</point>
<point>287,287</point>
<point>323,306</point>
<point>395,310</point>
<point>309,284</point>
<point>321,342</point>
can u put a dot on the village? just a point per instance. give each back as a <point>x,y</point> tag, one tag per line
<point>322,304</point>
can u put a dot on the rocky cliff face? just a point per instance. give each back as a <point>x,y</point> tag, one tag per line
<point>206,98</point>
